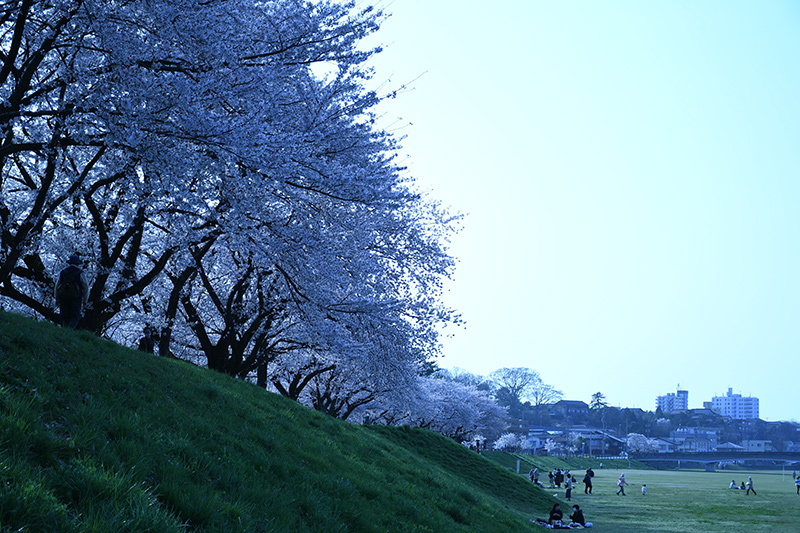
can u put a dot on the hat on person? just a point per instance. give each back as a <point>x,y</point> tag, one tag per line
<point>74,259</point>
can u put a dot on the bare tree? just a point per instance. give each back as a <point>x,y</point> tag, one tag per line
<point>519,382</point>
<point>543,394</point>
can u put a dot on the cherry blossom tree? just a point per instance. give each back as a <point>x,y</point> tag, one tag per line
<point>509,442</point>
<point>638,443</point>
<point>459,375</point>
<point>459,411</point>
<point>216,186</point>
<point>553,447</point>
<point>447,407</point>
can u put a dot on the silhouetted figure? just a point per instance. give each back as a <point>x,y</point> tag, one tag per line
<point>587,482</point>
<point>71,292</point>
<point>148,341</point>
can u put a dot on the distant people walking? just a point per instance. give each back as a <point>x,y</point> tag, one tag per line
<point>644,490</point>
<point>797,483</point>
<point>750,486</point>
<point>568,485</point>
<point>587,482</point>
<point>621,484</point>
<point>552,477</point>
<point>71,292</point>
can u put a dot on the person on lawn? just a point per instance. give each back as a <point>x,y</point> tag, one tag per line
<point>750,486</point>
<point>556,515</point>
<point>621,484</point>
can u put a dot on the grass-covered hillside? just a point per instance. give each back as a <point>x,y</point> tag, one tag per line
<point>97,437</point>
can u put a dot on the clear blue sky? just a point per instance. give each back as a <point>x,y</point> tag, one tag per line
<point>629,172</point>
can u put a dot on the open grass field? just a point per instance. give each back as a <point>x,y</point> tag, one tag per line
<point>687,500</point>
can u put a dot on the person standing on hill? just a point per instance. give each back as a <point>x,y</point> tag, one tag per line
<point>750,486</point>
<point>148,341</point>
<point>71,292</point>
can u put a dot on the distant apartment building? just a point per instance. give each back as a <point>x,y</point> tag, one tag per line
<point>735,406</point>
<point>673,401</point>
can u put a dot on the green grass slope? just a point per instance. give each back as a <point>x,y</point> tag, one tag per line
<point>97,437</point>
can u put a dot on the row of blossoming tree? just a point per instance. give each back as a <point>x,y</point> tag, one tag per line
<point>217,188</point>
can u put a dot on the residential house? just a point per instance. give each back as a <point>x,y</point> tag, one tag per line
<point>570,412</point>
<point>694,440</point>
<point>729,447</point>
<point>757,445</point>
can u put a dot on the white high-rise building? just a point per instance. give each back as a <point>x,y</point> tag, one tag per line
<point>735,406</point>
<point>673,401</point>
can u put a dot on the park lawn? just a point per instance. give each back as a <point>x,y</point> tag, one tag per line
<point>687,500</point>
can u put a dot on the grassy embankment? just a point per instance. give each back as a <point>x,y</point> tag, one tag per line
<point>97,437</point>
